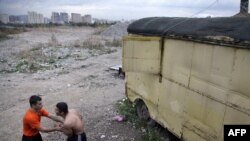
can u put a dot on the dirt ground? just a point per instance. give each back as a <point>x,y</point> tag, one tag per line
<point>82,79</point>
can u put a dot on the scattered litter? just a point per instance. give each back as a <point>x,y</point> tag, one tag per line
<point>116,67</point>
<point>118,118</point>
<point>119,69</point>
<point>115,136</point>
<point>103,136</point>
<point>68,85</point>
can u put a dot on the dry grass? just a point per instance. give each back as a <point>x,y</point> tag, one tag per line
<point>30,60</point>
<point>12,30</point>
<point>44,56</point>
<point>53,41</point>
<point>116,42</point>
<point>93,43</point>
<point>3,36</point>
<point>4,32</point>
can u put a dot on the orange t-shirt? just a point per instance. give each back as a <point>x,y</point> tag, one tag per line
<point>31,121</point>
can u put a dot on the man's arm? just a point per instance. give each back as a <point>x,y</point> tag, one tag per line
<point>46,130</point>
<point>55,118</point>
<point>66,131</point>
<point>35,124</point>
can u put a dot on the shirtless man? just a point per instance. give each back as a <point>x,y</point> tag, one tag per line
<point>73,124</point>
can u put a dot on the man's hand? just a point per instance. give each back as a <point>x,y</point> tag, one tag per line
<point>58,125</point>
<point>64,128</point>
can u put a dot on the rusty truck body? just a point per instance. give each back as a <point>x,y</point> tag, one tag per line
<point>191,75</point>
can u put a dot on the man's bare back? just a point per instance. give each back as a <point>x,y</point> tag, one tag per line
<point>73,120</point>
<point>73,124</point>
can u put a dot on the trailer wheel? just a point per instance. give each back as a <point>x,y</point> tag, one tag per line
<point>143,114</point>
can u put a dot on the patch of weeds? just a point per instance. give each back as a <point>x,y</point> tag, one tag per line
<point>53,41</point>
<point>51,60</point>
<point>4,32</point>
<point>4,36</point>
<point>152,135</point>
<point>101,51</point>
<point>8,71</point>
<point>35,49</point>
<point>128,110</point>
<point>114,43</point>
<point>34,67</point>
<point>22,65</point>
<point>26,66</point>
<point>93,43</point>
<point>12,30</point>
<point>98,46</point>
<point>66,56</point>
<point>77,43</point>
<point>108,51</point>
<point>33,59</point>
<point>38,46</point>
<point>63,72</point>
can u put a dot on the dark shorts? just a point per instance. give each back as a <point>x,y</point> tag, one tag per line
<point>37,137</point>
<point>74,137</point>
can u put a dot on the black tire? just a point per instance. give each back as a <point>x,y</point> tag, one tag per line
<point>143,113</point>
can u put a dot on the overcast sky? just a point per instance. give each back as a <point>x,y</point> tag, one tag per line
<point>124,9</point>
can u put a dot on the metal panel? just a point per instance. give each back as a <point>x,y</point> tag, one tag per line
<point>141,54</point>
<point>177,60</point>
<point>241,72</point>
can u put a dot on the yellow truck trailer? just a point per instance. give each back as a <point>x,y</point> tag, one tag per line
<point>191,75</point>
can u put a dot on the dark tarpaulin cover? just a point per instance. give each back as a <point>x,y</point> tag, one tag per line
<point>237,28</point>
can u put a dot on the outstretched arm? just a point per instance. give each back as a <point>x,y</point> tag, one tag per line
<point>35,124</point>
<point>55,118</point>
<point>46,130</point>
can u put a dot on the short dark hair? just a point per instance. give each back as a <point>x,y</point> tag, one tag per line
<point>34,99</point>
<point>62,107</point>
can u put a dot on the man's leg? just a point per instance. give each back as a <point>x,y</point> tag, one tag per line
<point>37,137</point>
<point>83,137</point>
<point>25,138</point>
<point>69,139</point>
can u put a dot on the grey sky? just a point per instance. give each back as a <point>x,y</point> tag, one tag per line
<point>122,9</point>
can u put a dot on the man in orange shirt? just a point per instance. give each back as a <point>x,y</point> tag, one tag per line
<point>32,118</point>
